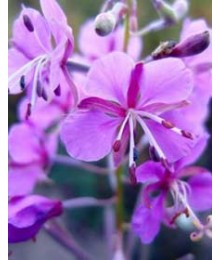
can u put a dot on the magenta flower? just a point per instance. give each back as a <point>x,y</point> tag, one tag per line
<point>31,152</point>
<point>40,47</point>
<point>27,214</point>
<point>200,64</point>
<point>93,46</point>
<point>122,96</point>
<point>190,196</point>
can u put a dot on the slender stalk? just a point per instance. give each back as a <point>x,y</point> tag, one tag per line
<point>119,204</point>
<point>87,202</point>
<point>64,238</point>
<point>127,27</point>
<point>65,160</point>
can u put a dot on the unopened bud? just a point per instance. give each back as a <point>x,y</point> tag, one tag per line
<point>105,23</point>
<point>181,8</point>
<point>192,45</point>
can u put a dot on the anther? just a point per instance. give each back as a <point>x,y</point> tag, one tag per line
<point>116,146</point>
<point>57,91</point>
<point>22,82</point>
<point>135,154</point>
<point>132,175</point>
<point>27,22</point>
<point>153,154</point>
<point>196,236</point>
<point>186,134</point>
<point>44,94</point>
<point>28,112</point>
<point>39,89</point>
<point>167,124</point>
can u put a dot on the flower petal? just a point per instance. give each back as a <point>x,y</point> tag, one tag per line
<point>108,81</point>
<point>89,135</point>
<point>173,145</point>
<point>149,172</point>
<point>200,197</point>
<point>27,214</point>
<point>165,81</point>
<point>24,143</point>
<point>22,179</point>
<point>31,44</point>
<point>146,222</point>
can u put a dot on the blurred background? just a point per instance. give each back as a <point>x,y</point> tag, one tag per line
<point>87,225</point>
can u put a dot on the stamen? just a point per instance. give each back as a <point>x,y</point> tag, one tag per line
<point>166,124</point>
<point>117,144</point>
<point>23,71</point>
<point>28,24</point>
<point>152,141</point>
<point>28,112</point>
<point>187,134</point>
<point>196,236</point>
<point>22,82</point>
<point>57,91</point>
<point>153,154</point>
<point>135,154</point>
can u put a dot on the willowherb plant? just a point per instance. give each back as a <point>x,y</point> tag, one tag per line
<point>108,102</point>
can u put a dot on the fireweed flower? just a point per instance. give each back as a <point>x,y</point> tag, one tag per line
<point>93,46</point>
<point>30,155</point>
<point>189,196</point>
<point>40,47</point>
<point>122,96</point>
<point>27,214</point>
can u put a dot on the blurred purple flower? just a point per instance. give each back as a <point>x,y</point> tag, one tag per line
<point>27,214</point>
<point>122,94</point>
<point>93,46</point>
<point>40,47</point>
<point>31,152</point>
<point>195,194</point>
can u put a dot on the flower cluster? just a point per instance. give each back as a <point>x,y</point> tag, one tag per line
<point>108,101</point>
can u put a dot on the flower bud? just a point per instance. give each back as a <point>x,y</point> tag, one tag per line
<point>105,23</point>
<point>181,8</point>
<point>192,45</point>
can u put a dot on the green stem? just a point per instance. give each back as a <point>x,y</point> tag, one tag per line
<point>119,203</point>
<point>127,27</point>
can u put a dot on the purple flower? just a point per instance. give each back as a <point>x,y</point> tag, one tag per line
<point>123,94</point>
<point>200,64</point>
<point>27,214</point>
<point>40,47</point>
<point>93,46</point>
<point>187,197</point>
<point>30,152</point>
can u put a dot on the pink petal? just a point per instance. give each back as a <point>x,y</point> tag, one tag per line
<point>200,197</point>
<point>22,179</point>
<point>173,145</point>
<point>24,144</point>
<point>149,172</point>
<point>108,81</point>
<point>16,60</point>
<point>89,135</point>
<point>31,44</point>
<point>165,81</point>
<point>146,222</point>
